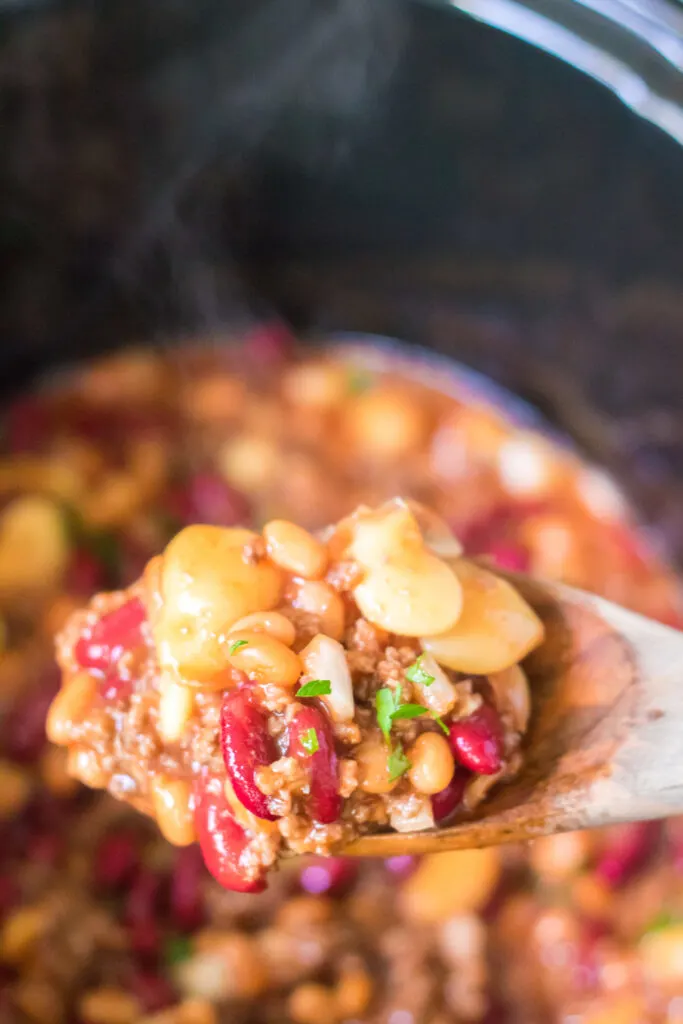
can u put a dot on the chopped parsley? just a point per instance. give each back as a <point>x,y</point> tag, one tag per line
<point>236,644</point>
<point>309,741</point>
<point>397,763</point>
<point>386,703</point>
<point>417,674</point>
<point>177,948</point>
<point>663,920</point>
<point>440,722</point>
<point>408,711</point>
<point>314,688</point>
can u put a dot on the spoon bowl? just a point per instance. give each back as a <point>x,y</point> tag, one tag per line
<point>605,741</point>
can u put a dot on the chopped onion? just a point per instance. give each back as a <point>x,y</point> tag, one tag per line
<point>411,814</point>
<point>324,658</point>
<point>440,695</point>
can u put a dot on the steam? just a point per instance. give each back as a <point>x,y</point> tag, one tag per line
<point>249,88</point>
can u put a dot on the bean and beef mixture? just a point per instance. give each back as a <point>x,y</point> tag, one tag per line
<point>214,697</point>
<point>102,921</point>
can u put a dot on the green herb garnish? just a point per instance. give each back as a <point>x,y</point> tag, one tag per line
<point>408,711</point>
<point>309,741</point>
<point>314,688</point>
<point>665,919</point>
<point>235,645</point>
<point>397,763</point>
<point>440,722</point>
<point>177,948</point>
<point>417,674</point>
<point>386,703</point>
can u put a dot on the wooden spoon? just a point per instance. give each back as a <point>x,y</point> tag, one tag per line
<point>605,742</point>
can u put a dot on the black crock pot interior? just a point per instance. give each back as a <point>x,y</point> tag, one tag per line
<point>390,167</point>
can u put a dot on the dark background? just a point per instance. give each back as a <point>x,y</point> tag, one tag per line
<point>356,164</point>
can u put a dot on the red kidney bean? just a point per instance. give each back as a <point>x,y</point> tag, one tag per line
<point>324,801</point>
<point>509,556</point>
<point>186,899</point>
<point>86,574</point>
<point>9,894</point>
<point>222,839</point>
<point>142,906</point>
<point>23,732</point>
<point>477,741</point>
<point>627,850</point>
<point>246,746</point>
<point>152,990</point>
<point>45,848</point>
<point>208,498</point>
<point>102,645</point>
<point>117,859</point>
<point>449,799</point>
<point>331,875</point>
<point>115,687</point>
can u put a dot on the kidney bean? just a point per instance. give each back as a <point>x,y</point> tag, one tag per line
<point>627,850</point>
<point>208,498</point>
<point>102,645</point>
<point>85,574</point>
<point>141,912</point>
<point>186,899</point>
<point>324,802</point>
<point>222,839</point>
<point>246,746</point>
<point>152,990</point>
<point>477,741</point>
<point>117,858</point>
<point>23,733</point>
<point>449,799</point>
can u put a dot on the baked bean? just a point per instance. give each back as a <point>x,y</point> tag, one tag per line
<point>319,385</point>
<point>215,398</point>
<point>496,629</point>
<point>175,710</point>
<point>248,462</point>
<point>209,581</point>
<point>353,993</point>
<point>432,763</point>
<point>301,913</point>
<point>294,549</point>
<point>173,810</point>
<point>15,788</point>
<point>109,1006</point>
<point>274,623</point>
<point>230,968</point>
<point>115,501</point>
<point>312,1003</point>
<point>661,953</point>
<point>451,883</point>
<point>384,425</point>
<point>70,706</point>
<point>34,548</point>
<point>406,588</point>
<point>21,931</point>
<point>373,770</point>
<point>557,858</point>
<point>263,658</point>
<point>321,600</point>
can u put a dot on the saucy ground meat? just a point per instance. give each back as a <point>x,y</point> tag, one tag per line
<point>102,921</point>
<point>298,746</point>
